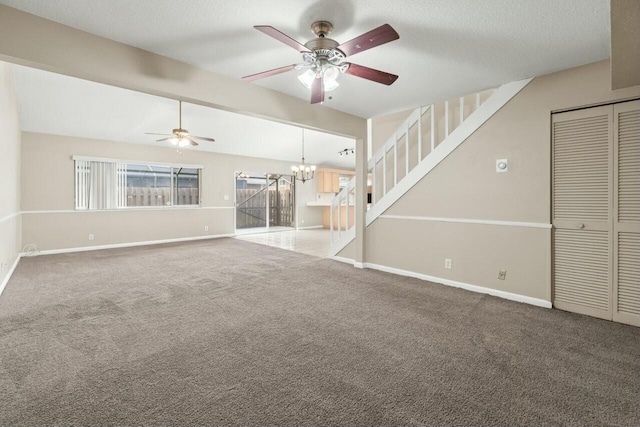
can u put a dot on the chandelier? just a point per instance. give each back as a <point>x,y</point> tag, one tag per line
<point>303,172</point>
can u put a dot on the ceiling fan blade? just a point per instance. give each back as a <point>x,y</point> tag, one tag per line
<point>273,72</point>
<point>317,91</point>
<point>160,134</point>
<point>371,74</point>
<point>163,139</point>
<point>281,37</point>
<point>192,142</point>
<point>376,37</point>
<point>203,138</point>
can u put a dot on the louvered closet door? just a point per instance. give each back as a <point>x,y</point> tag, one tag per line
<point>626,225</point>
<point>582,211</point>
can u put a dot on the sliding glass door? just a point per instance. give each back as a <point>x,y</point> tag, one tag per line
<point>281,201</point>
<point>264,200</point>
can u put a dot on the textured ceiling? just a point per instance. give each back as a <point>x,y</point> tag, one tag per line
<point>446,48</point>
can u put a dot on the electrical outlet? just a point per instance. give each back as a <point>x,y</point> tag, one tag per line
<point>206,228</point>
<point>502,274</point>
<point>447,263</point>
<point>91,236</point>
<point>302,221</point>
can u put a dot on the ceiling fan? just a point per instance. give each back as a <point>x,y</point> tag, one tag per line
<point>179,136</point>
<point>324,58</point>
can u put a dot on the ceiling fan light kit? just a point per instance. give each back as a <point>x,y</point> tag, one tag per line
<point>325,59</point>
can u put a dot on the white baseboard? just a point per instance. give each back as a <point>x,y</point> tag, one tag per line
<point>311,227</point>
<point>125,245</point>
<point>473,288</point>
<point>9,274</point>
<point>342,259</point>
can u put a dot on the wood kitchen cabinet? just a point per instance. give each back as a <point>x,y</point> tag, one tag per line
<point>329,180</point>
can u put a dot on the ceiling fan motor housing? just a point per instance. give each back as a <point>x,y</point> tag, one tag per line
<point>180,131</point>
<point>324,54</point>
<point>321,28</point>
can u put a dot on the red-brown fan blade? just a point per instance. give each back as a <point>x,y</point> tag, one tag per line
<point>317,91</point>
<point>381,35</point>
<point>264,74</point>
<point>281,37</point>
<point>371,74</point>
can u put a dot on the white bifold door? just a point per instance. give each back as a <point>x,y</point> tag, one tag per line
<point>596,211</point>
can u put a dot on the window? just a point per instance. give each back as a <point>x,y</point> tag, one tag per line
<point>112,184</point>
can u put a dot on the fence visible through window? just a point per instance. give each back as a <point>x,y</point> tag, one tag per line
<point>113,184</point>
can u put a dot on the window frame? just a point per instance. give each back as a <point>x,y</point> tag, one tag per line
<point>172,168</point>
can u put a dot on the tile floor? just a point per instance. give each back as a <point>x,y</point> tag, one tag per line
<point>311,242</point>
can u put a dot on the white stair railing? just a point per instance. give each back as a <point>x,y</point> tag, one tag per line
<point>342,214</point>
<point>425,128</point>
<point>429,134</point>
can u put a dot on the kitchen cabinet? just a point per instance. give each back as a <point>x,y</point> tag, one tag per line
<point>329,179</point>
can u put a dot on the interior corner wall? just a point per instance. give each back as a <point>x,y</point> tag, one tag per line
<point>382,127</point>
<point>50,222</point>
<point>10,219</point>
<point>465,190</point>
<point>625,43</point>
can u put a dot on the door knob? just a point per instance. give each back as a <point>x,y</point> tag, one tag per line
<point>580,225</point>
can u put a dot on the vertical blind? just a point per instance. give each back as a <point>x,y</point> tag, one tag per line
<point>100,185</point>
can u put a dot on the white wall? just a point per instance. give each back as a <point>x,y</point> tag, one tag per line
<point>10,223</point>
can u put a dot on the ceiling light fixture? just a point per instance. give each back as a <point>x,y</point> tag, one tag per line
<point>329,77</point>
<point>346,151</point>
<point>303,172</point>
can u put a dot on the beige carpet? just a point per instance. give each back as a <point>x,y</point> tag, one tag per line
<point>226,332</point>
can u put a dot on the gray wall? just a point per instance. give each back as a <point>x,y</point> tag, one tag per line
<point>10,233</point>
<point>50,221</point>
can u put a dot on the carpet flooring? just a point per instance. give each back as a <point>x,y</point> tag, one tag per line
<point>226,332</point>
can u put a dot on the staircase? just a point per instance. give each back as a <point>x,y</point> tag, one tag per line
<point>426,138</point>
